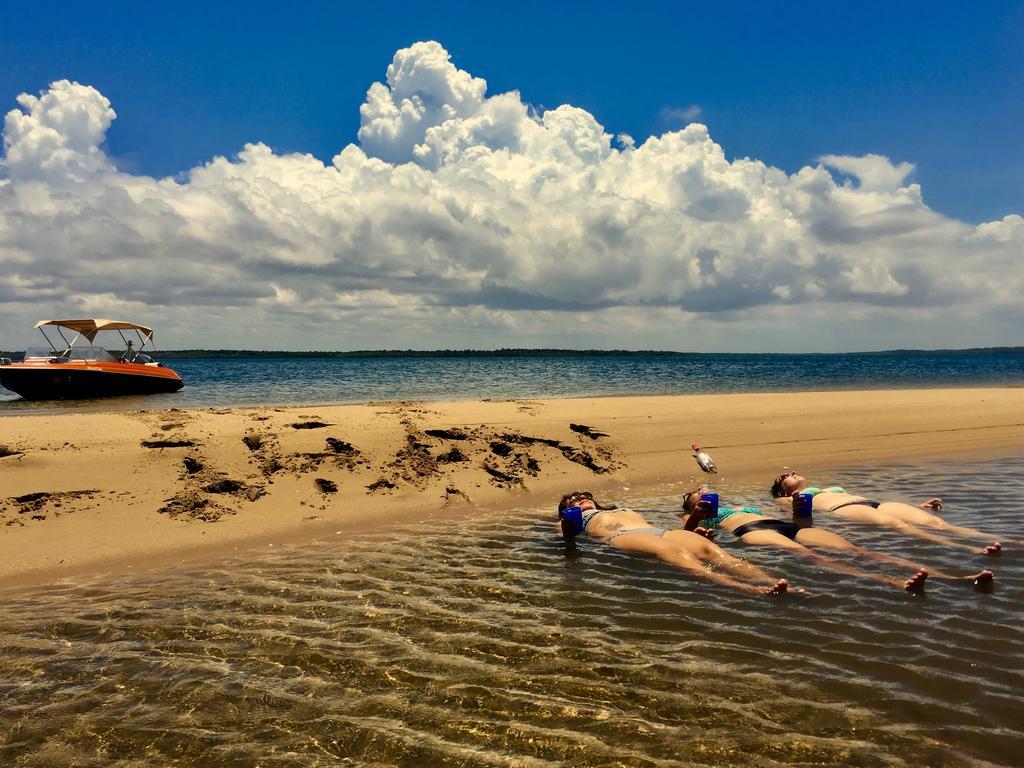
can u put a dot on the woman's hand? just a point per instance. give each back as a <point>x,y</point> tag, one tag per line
<point>933,504</point>
<point>701,510</point>
<point>564,529</point>
<point>704,509</point>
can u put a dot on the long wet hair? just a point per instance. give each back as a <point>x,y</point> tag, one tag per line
<point>776,489</point>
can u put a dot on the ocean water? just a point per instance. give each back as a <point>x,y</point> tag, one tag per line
<point>481,643</point>
<point>293,381</point>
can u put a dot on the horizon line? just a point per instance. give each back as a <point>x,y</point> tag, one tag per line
<point>532,351</point>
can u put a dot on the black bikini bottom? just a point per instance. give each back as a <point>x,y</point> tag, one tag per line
<point>789,530</point>
<point>858,503</point>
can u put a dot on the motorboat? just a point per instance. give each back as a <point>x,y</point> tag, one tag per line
<point>78,368</point>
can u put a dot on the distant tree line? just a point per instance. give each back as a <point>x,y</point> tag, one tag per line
<point>238,354</point>
<point>412,353</point>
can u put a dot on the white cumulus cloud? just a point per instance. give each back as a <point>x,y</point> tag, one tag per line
<point>58,133</point>
<point>873,172</point>
<point>466,219</point>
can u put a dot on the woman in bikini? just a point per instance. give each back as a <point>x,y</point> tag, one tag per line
<point>751,526</point>
<point>630,531</point>
<point>916,521</point>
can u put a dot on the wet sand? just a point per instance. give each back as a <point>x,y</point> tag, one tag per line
<point>120,492</point>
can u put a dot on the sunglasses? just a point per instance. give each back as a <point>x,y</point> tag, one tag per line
<point>575,498</point>
<point>688,494</point>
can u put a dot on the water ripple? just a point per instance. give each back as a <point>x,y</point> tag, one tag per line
<point>416,647</point>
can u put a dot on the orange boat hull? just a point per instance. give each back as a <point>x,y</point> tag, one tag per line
<point>83,379</point>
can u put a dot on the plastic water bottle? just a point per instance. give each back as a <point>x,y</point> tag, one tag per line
<point>703,460</point>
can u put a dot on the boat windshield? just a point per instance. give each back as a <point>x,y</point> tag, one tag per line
<point>39,353</point>
<point>91,353</point>
<point>84,353</point>
<point>75,353</point>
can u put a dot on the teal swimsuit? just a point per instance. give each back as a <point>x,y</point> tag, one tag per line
<point>816,491</point>
<point>724,512</point>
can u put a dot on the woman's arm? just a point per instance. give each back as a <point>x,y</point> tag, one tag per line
<point>692,521</point>
<point>701,511</point>
<point>564,528</point>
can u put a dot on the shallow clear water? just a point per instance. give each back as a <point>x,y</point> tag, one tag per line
<point>482,644</point>
<point>258,381</point>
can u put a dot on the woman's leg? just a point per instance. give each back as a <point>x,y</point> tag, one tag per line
<point>690,552</point>
<point>710,552</point>
<point>917,516</point>
<point>872,516</point>
<point>815,537</point>
<point>930,535</point>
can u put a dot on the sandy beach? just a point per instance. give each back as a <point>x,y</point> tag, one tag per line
<point>120,492</point>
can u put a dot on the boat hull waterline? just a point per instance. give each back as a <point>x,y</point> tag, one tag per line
<point>68,381</point>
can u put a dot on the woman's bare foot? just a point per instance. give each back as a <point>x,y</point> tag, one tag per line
<point>995,549</point>
<point>983,579</point>
<point>916,582</point>
<point>779,588</point>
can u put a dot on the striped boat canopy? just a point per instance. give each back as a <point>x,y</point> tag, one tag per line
<point>89,328</point>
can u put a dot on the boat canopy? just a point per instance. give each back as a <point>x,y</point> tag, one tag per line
<point>89,328</point>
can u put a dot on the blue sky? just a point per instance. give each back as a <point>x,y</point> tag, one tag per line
<point>749,177</point>
<point>936,84</point>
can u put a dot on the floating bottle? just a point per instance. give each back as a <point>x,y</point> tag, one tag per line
<point>703,460</point>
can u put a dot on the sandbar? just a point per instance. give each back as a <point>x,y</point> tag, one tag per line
<point>116,493</point>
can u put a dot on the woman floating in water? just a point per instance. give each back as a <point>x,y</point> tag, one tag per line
<point>625,529</point>
<point>752,526</point>
<point>916,521</point>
